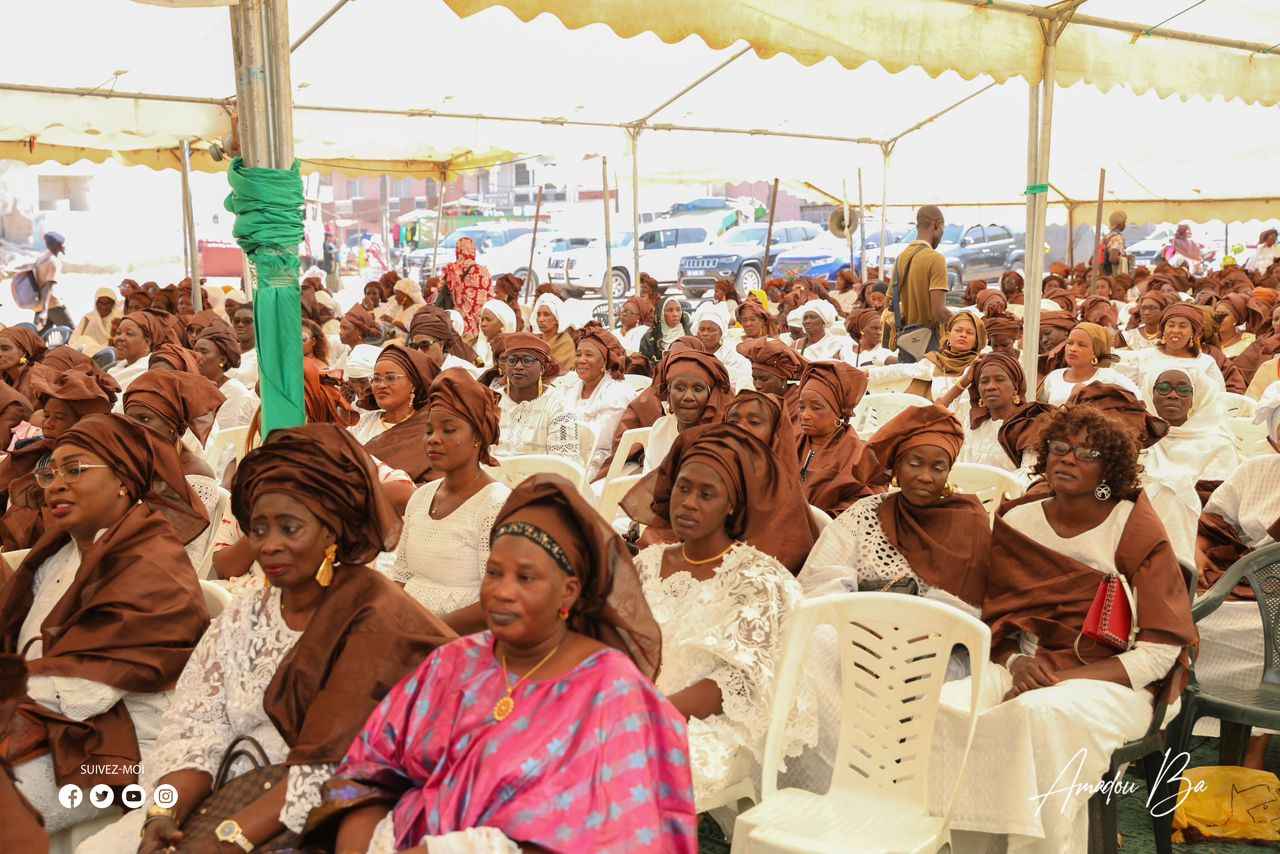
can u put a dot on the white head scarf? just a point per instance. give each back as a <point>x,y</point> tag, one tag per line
<point>361,361</point>
<point>411,289</point>
<point>714,312</point>
<point>820,307</point>
<point>96,326</point>
<point>214,297</point>
<point>1269,410</point>
<point>669,333</point>
<point>503,312</point>
<point>554,305</point>
<point>1203,446</point>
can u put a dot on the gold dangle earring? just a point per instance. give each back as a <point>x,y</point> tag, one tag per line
<point>539,387</point>
<point>324,575</point>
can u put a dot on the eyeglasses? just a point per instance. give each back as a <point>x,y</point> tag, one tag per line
<point>69,472</point>
<point>1084,455</point>
<point>423,343</point>
<point>385,379</point>
<point>520,361</point>
<point>1182,389</point>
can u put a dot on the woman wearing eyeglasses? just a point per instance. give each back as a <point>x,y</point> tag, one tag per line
<point>432,332</point>
<point>534,419</point>
<point>242,324</point>
<point>1055,697</point>
<point>106,610</point>
<point>401,381</point>
<point>1198,444</point>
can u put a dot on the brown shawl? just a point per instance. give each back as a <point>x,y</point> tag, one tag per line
<point>365,636</point>
<point>837,472</point>
<point>1224,548</point>
<point>180,398</point>
<point>130,619</point>
<point>947,543</point>
<point>401,446</point>
<point>1034,589</point>
<point>21,825</point>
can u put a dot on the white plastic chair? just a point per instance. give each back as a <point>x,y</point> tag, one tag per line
<point>1251,439</point>
<point>637,382</point>
<point>216,597</point>
<point>66,841</point>
<point>586,444</point>
<point>614,491</point>
<point>204,569</point>
<point>875,410</point>
<point>515,469</point>
<point>216,451</point>
<point>894,654</point>
<point>820,517</point>
<point>989,484</point>
<point>14,558</point>
<point>1239,406</point>
<point>626,446</point>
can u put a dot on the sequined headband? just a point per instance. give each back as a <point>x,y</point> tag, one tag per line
<point>539,536</point>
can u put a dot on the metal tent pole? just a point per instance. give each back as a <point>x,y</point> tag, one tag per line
<point>862,232</point>
<point>608,239</point>
<point>884,210</point>
<point>188,214</point>
<point>635,212</point>
<point>768,235</point>
<point>435,250</point>
<point>533,242</point>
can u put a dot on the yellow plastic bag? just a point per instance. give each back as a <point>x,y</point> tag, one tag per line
<point>1219,802</point>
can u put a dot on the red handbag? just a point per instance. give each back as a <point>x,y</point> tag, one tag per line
<point>1113,617</point>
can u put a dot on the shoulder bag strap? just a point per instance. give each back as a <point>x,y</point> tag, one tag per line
<point>898,281</point>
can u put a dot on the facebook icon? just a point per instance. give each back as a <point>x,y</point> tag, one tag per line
<point>70,796</point>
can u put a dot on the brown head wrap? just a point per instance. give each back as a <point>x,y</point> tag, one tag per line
<point>1057,320</point>
<point>1099,310</point>
<point>615,357</point>
<point>1011,367</point>
<point>146,464</point>
<point>324,468</point>
<point>752,306</point>
<point>363,320</point>
<point>726,290</point>
<point>197,323</point>
<point>644,308</point>
<point>458,393</point>
<point>156,326</point>
<point>419,368</point>
<point>706,364</point>
<point>433,322</point>
<point>1101,339</point>
<point>507,287</point>
<point>913,427</point>
<point>771,355</point>
<point>840,384</point>
<point>1004,324</point>
<point>769,509</point>
<point>87,391</point>
<point>322,397</point>
<point>220,334</point>
<point>179,398</point>
<point>984,298</point>
<point>611,608</point>
<point>537,347</point>
<point>176,357</point>
<point>63,358</point>
<point>26,340</point>
<point>1062,297</point>
<point>1123,406</point>
<point>1190,313</point>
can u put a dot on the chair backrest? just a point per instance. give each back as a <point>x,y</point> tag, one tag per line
<point>989,484</point>
<point>637,382</point>
<point>875,409</point>
<point>1240,406</point>
<point>515,469</point>
<point>215,453</point>
<point>14,558</point>
<point>216,597</point>
<point>626,446</point>
<point>894,651</point>
<point>222,509</point>
<point>586,444</point>
<point>614,491</point>
<point>1251,439</point>
<point>820,517</point>
<point>1261,568</point>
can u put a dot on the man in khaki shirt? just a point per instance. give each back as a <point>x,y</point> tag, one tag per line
<point>921,273</point>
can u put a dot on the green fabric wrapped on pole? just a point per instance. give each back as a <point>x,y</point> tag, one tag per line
<point>269,228</point>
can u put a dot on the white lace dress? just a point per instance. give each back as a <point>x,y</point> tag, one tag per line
<point>728,629</point>
<point>543,425</point>
<point>601,411</point>
<point>441,562</point>
<point>219,698</point>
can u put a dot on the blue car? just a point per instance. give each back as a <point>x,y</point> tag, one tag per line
<point>822,258</point>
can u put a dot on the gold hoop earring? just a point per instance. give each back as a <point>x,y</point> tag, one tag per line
<point>893,481</point>
<point>948,490</point>
<point>22,360</point>
<point>1094,360</point>
<point>508,384</point>
<point>1017,398</point>
<point>324,575</point>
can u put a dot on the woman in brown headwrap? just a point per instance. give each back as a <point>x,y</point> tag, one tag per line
<point>1181,347</point>
<point>1232,312</point>
<point>432,332</point>
<point>1088,357</point>
<point>775,369</point>
<point>15,408</point>
<point>632,317</point>
<point>990,302</point>
<point>106,610</point>
<point>533,419</point>
<point>596,394</point>
<point>1003,334</point>
<point>171,403</point>
<point>401,382</point>
<point>299,664</point>
<point>936,372</point>
<point>868,330</point>
<point>137,334</point>
<point>219,352</point>
<point>721,593</point>
<point>358,326</point>
<point>442,553</point>
<point>1052,693</point>
<point>173,357</point>
<point>1055,326</point>
<point>695,389</point>
<point>64,396</point>
<point>20,349</point>
<point>1144,328</point>
<point>997,395</point>
<point>1011,285</point>
<point>560,596</point>
<point>834,466</point>
<point>755,318</point>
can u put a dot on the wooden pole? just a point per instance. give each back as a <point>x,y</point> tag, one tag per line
<point>608,240</point>
<point>1097,230</point>
<point>435,250</point>
<point>768,235</point>
<point>197,295</point>
<point>533,244</point>
<point>1071,235</point>
<point>848,231</point>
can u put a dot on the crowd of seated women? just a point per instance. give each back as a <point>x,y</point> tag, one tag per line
<point>421,655</point>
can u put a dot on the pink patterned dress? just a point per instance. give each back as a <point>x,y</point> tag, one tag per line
<point>469,285</point>
<point>596,760</point>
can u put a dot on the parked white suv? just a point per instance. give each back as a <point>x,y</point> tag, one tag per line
<point>662,244</point>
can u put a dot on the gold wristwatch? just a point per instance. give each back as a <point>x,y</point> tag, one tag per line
<point>229,831</point>
<point>155,812</point>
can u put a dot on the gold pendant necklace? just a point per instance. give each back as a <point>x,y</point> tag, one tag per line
<point>504,706</point>
<point>693,562</point>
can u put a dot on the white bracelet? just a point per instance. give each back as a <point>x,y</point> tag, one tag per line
<point>1008,662</point>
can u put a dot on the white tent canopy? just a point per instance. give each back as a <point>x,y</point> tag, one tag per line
<point>492,84</point>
